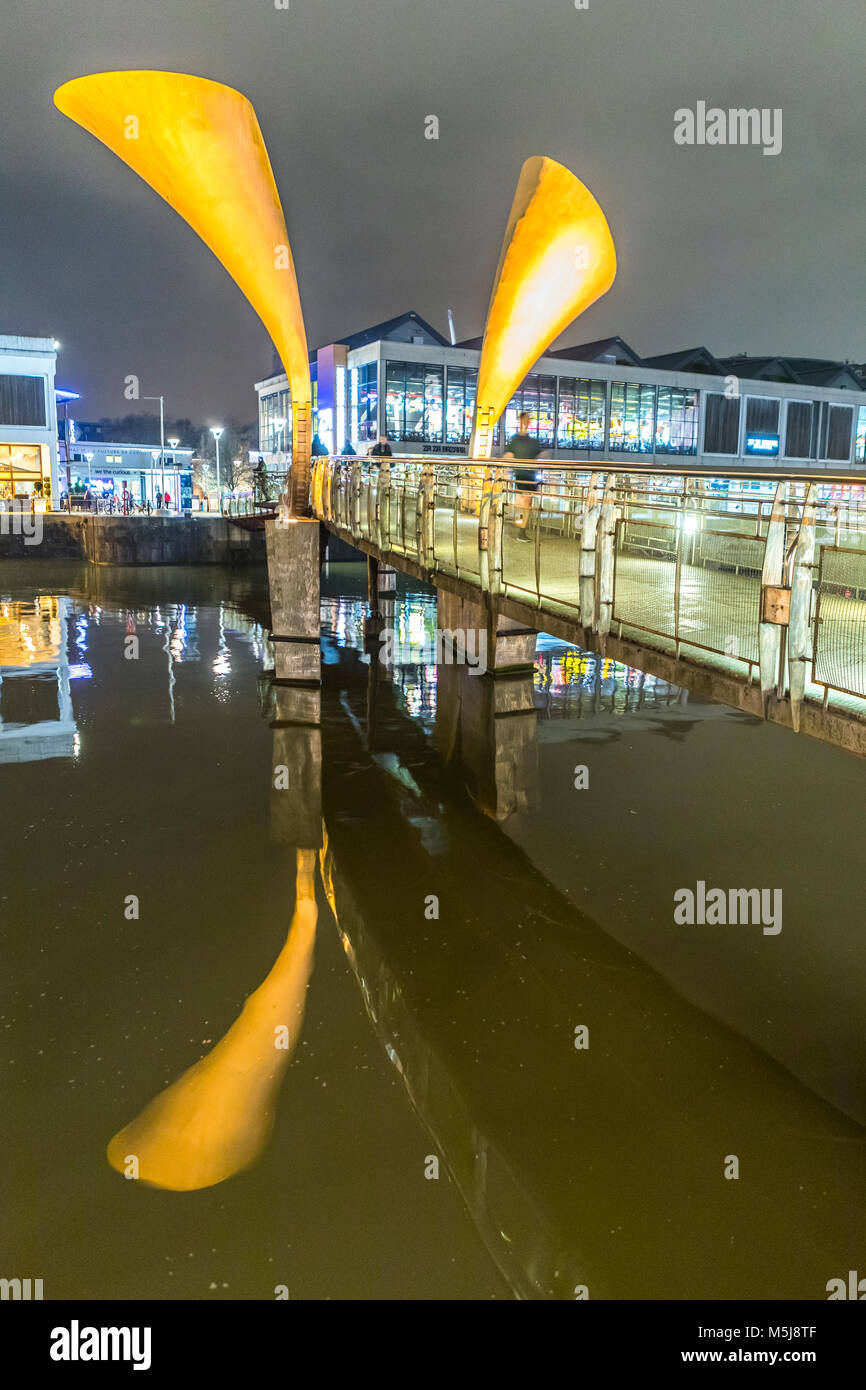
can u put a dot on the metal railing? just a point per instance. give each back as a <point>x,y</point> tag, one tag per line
<point>252,503</point>
<point>762,573</point>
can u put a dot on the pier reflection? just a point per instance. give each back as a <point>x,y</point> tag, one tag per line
<point>36,716</point>
<point>597,1168</point>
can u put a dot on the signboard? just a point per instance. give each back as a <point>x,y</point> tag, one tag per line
<point>763,444</point>
<point>186,492</point>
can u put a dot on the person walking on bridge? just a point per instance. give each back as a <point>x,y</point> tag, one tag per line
<point>519,447</point>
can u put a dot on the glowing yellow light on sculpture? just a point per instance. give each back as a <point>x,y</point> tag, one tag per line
<point>557,258</point>
<point>198,144</point>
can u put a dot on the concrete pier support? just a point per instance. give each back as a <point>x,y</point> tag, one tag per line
<point>294,575</point>
<point>509,646</point>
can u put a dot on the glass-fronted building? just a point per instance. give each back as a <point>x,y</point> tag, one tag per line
<point>592,402</point>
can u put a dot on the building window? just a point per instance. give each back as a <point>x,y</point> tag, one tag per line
<point>835,432</point>
<point>537,399</point>
<point>414,402</point>
<point>274,437</point>
<point>434,380</point>
<point>21,470</point>
<point>632,417</point>
<point>581,413</point>
<point>762,427</point>
<point>722,425</point>
<point>860,441</point>
<point>22,400</point>
<point>677,415</point>
<point>364,402</point>
<point>801,430</point>
<point>460,404</point>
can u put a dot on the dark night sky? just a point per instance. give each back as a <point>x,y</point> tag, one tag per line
<point>723,246</point>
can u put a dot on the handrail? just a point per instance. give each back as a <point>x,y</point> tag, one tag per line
<point>597,464</point>
<point>650,555</point>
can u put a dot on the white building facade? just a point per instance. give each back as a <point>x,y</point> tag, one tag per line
<point>28,420</point>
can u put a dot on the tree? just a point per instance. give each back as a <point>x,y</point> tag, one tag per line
<point>236,443</point>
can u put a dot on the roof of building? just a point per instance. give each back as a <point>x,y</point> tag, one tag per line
<point>695,359</point>
<point>759,368</point>
<point>383,331</point>
<point>617,348</point>
<point>803,371</point>
<point>842,374</point>
<point>386,331</point>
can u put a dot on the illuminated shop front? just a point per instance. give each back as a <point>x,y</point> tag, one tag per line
<point>25,471</point>
<point>101,469</point>
<point>405,380</point>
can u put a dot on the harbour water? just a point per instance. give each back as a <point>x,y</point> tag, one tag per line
<point>505,1070</point>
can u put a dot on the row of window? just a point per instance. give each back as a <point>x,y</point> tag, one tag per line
<point>813,429</point>
<point>422,407</point>
<point>430,404</point>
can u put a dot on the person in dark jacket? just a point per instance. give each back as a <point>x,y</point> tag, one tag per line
<point>381,449</point>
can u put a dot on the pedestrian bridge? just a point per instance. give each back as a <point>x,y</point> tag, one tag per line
<point>749,588</point>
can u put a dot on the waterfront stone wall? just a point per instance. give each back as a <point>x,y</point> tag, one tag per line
<point>136,540</point>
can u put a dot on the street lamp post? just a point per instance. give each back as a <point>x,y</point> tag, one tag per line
<point>89,459</point>
<point>161,400</point>
<point>172,444</point>
<point>216,431</point>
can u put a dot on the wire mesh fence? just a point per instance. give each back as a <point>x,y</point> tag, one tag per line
<point>687,550</point>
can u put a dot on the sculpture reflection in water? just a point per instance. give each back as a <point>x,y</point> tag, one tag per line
<point>217,1118</point>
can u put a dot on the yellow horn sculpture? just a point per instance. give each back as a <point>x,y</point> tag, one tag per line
<point>216,1119</point>
<point>199,146</point>
<point>557,258</point>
